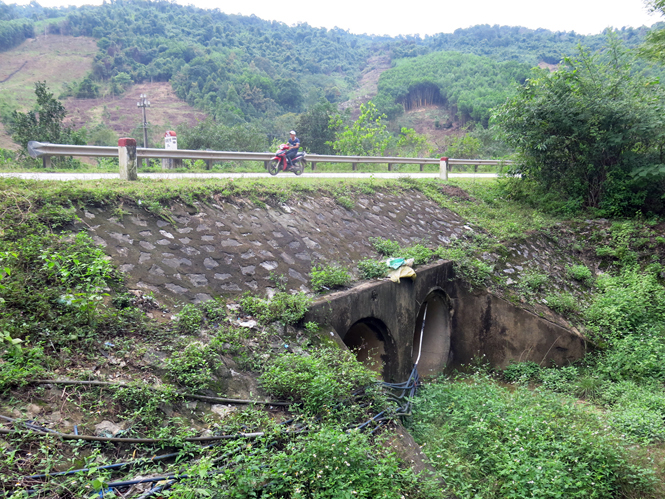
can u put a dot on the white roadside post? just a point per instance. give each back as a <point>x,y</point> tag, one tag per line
<point>170,143</point>
<point>127,159</point>
<point>443,169</point>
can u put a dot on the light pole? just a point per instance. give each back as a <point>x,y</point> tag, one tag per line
<point>143,103</point>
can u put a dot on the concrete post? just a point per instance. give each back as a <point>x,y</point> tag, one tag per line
<point>443,169</point>
<point>127,159</point>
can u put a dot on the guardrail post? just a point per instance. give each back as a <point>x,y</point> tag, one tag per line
<point>265,164</point>
<point>422,167</point>
<point>390,167</point>
<point>46,162</point>
<point>354,166</point>
<point>313,166</point>
<point>127,159</point>
<point>443,168</point>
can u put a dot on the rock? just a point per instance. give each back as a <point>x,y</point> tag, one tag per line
<point>166,409</point>
<point>223,410</point>
<point>33,410</point>
<point>107,429</point>
<point>154,358</point>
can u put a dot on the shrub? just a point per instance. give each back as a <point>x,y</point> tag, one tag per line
<point>562,303</point>
<point>190,319</point>
<point>372,269</point>
<point>18,366</point>
<point>281,307</point>
<point>419,253</point>
<point>629,302</point>
<point>329,277</point>
<point>637,357</point>
<point>475,272</point>
<point>214,310</point>
<point>192,367</point>
<point>559,379</point>
<point>385,247</point>
<point>521,372</point>
<point>533,281</point>
<point>318,380</point>
<point>580,273</point>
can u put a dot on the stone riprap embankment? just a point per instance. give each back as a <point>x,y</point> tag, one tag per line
<point>231,247</point>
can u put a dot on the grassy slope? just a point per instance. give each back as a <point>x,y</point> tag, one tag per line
<point>55,59</point>
<point>62,59</point>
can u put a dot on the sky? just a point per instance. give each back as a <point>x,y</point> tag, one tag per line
<point>427,17</point>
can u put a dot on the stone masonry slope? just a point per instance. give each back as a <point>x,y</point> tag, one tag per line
<point>232,247</point>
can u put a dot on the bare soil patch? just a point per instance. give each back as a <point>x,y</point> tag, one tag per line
<point>166,111</point>
<point>369,84</point>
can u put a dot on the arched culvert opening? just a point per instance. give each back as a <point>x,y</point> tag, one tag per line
<point>367,340</point>
<point>435,346</point>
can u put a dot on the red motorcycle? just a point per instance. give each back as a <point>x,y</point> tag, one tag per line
<point>279,163</point>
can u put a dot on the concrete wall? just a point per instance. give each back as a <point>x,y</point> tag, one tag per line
<point>481,324</point>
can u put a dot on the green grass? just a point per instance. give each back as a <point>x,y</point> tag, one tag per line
<point>490,442</point>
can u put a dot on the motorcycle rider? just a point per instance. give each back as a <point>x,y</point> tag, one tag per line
<point>294,145</point>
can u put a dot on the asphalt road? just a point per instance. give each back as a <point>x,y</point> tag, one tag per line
<point>96,176</point>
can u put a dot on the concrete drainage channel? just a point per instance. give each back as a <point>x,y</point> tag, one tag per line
<point>383,321</point>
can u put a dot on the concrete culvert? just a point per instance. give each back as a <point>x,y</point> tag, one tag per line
<point>435,336</point>
<point>366,339</point>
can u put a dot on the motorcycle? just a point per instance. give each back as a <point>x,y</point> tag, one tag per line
<point>279,162</point>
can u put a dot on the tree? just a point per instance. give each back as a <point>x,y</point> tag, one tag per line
<point>314,129</point>
<point>367,136</point>
<point>654,46</point>
<point>45,124</point>
<point>588,130</point>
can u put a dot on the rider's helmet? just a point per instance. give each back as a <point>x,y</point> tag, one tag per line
<point>292,132</point>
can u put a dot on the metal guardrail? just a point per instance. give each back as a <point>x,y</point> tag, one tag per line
<point>44,150</point>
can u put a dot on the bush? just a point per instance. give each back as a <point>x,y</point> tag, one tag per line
<point>18,366</point>
<point>590,131</point>
<point>329,277</point>
<point>521,372</point>
<point>281,307</point>
<point>385,247</point>
<point>559,379</point>
<point>630,302</point>
<point>563,303</point>
<point>636,357</point>
<point>419,253</point>
<point>580,273</point>
<point>191,367</point>
<point>190,319</point>
<point>533,281</point>
<point>372,269</point>
<point>318,380</point>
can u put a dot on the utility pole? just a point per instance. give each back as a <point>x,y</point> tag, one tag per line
<point>143,103</point>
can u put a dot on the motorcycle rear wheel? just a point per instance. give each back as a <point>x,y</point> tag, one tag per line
<point>299,167</point>
<point>273,167</point>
